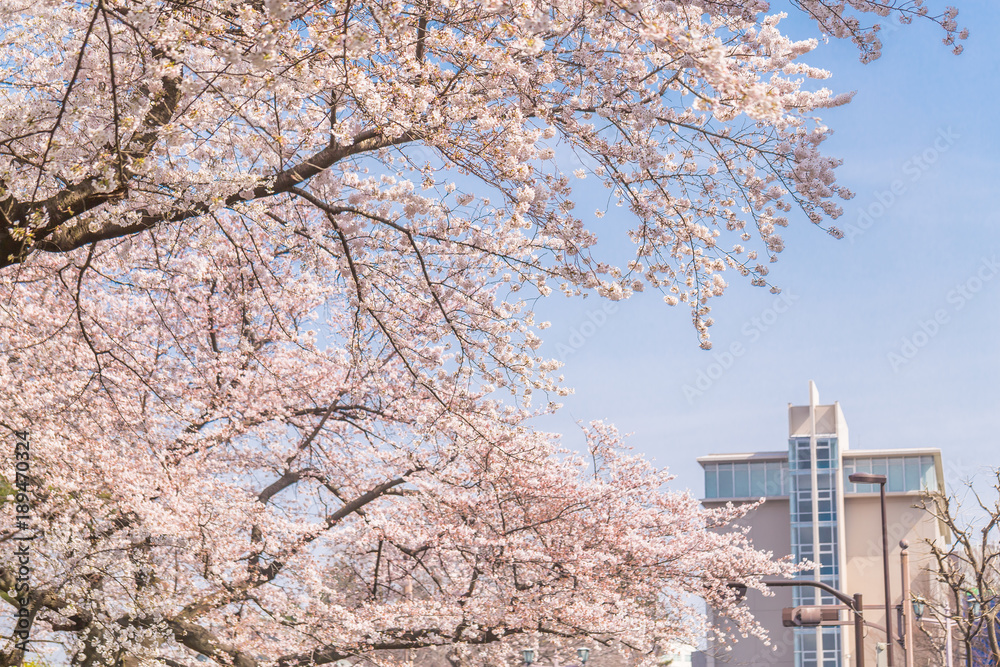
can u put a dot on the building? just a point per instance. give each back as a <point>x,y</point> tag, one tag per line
<point>812,511</point>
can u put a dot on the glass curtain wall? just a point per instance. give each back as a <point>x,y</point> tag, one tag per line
<point>814,537</point>
<point>903,473</point>
<point>755,479</point>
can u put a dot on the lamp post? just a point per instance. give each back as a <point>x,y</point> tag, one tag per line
<point>869,478</point>
<point>583,654</point>
<point>907,610</point>
<point>529,655</point>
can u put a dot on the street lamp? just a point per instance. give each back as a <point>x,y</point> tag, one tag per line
<point>869,478</point>
<point>583,654</point>
<point>973,603</point>
<point>919,605</point>
<point>529,655</point>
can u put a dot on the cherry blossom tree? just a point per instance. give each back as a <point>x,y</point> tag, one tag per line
<point>266,272</point>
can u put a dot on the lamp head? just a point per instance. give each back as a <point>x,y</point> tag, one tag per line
<point>529,655</point>
<point>866,478</point>
<point>919,605</point>
<point>583,654</point>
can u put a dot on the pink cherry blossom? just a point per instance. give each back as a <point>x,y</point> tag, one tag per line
<point>266,274</point>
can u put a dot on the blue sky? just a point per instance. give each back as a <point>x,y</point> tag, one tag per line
<point>899,321</point>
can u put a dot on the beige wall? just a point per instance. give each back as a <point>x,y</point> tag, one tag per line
<point>864,571</point>
<point>769,530</point>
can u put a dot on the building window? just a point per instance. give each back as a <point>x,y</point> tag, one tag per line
<point>777,473</point>
<point>828,559</point>
<point>826,453</point>
<point>711,480</point>
<point>799,453</point>
<point>896,482</point>
<point>904,473</point>
<point>826,497</point>
<point>726,480</point>
<point>758,480</point>
<point>831,647</point>
<point>806,654</point>
<point>740,479</point>
<point>802,506</point>
<point>803,544</point>
<point>911,472</point>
